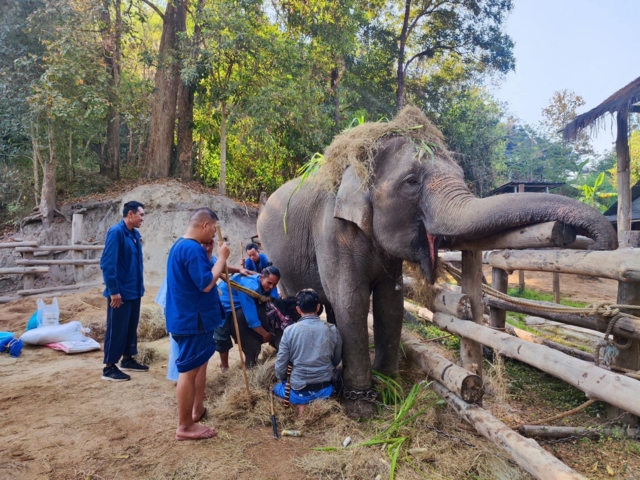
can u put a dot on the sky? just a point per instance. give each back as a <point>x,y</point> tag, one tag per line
<point>588,46</point>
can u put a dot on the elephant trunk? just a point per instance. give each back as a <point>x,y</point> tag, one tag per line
<point>461,215</point>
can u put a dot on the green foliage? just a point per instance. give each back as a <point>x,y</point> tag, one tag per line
<point>541,296</point>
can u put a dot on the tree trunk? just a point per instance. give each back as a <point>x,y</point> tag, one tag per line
<point>111,39</point>
<point>335,80</point>
<point>163,114</point>
<point>130,154</point>
<point>36,161</point>
<point>222,188</point>
<point>48,197</point>
<point>71,169</point>
<point>624,175</point>
<point>401,49</point>
<point>186,93</point>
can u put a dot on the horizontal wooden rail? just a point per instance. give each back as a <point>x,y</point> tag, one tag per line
<point>60,248</point>
<point>598,383</point>
<point>92,261</point>
<point>23,270</point>
<point>622,265</point>
<point>18,244</point>
<point>540,235</point>
<point>35,291</point>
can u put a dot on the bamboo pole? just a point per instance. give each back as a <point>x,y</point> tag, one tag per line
<point>622,265</point>
<point>36,291</point>
<point>59,248</point>
<point>23,270</point>
<point>18,244</point>
<point>235,323</point>
<point>596,382</point>
<point>527,453</point>
<point>465,384</point>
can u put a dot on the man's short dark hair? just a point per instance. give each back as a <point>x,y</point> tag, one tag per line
<point>270,270</point>
<point>251,246</point>
<point>131,206</point>
<point>307,300</point>
<point>201,215</point>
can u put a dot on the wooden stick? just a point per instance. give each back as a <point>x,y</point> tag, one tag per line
<point>18,244</point>
<point>23,270</point>
<point>530,337</point>
<point>36,291</point>
<point>92,261</point>
<point>235,323</point>
<point>59,248</point>
<point>622,265</point>
<point>596,382</point>
<point>527,453</point>
<point>560,416</point>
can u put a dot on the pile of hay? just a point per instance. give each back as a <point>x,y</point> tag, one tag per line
<point>152,324</point>
<point>357,147</point>
<point>425,453</point>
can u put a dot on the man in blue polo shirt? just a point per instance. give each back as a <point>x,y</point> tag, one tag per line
<point>121,265</point>
<point>255,261</point>
<point>193,312</point>
<point>253,329</point>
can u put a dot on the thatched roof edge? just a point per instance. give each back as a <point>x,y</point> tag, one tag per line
<point>621,101</point>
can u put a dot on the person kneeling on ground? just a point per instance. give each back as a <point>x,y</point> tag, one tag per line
<point>253,329</point>
<point>314,348</point>
<point>192,313</point>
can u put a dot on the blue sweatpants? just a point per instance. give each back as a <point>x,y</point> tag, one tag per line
<point>121,338</point>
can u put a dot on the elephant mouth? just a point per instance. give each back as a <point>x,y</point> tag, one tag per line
<point>434,241</point>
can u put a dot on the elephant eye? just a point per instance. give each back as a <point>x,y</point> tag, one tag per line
<point>411,180</point>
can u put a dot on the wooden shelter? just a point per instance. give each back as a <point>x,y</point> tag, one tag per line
<point>519,187</point>
<point>622,103</point>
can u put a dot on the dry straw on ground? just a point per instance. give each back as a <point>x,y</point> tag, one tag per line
<point>357,147</point>
<point>152,324</point>
<point>425,453</point>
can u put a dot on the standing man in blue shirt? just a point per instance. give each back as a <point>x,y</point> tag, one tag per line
<point>121,265</point>
<point>193,312</point>
<point>253,329</point>
<point>255,261</point>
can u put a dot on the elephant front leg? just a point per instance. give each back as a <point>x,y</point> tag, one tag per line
<point>387,324</point>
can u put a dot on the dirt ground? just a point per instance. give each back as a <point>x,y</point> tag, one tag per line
<point>59,420</point>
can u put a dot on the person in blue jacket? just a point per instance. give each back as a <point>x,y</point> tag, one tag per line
<point>253,329</point>
<point>255,260</point>
<point>192,313</point>
<point>121,265</point>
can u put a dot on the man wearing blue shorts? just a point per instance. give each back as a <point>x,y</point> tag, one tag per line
<point>314,347</point>
<point>193,312</point>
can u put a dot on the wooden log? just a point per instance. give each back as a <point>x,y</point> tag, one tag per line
<point>466,385</point>
<point>419,311</point>
<point>23,270</point>
<point>628,294</point>
<point>18,244</point>
<point>62,288</point>
<point>453,303</point>
<point>596,382</point>
<point>530,456</point>
<point>581,243</point>
<point>622,265</point>
<point>530,337</point>
<point>471,283</point>
<point>60,248</point>
<point>69,261</point>
<point>626,327</point>
<point>500,282</point>
<point>76,239</point>
<point>9,299</point>
<point>540,235</point>
<point>540,431</point>
<point>449,286</point>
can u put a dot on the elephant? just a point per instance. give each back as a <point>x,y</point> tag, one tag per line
<point>348,240</point>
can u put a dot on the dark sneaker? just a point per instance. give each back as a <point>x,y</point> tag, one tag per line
<point>130,365</point>
<point>114,374</point>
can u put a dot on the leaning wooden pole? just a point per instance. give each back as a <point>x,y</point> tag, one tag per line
<point>235,323</point>
<point>596,382</point>
<point>530,456</point>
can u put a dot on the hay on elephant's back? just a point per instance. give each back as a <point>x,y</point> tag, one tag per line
<point>358,146</point>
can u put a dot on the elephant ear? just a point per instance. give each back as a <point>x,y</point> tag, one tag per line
<point>353,203</point>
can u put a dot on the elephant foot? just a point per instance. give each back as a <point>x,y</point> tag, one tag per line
<point>356,409</point>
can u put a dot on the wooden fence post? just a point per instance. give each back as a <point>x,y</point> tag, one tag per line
<point>76,239</point>
<point>471,283</point>
<point>521,272</point>
<point>500,282</point>
<point>556,287</point>
<point>28,278</point>
<point>628,294</point>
